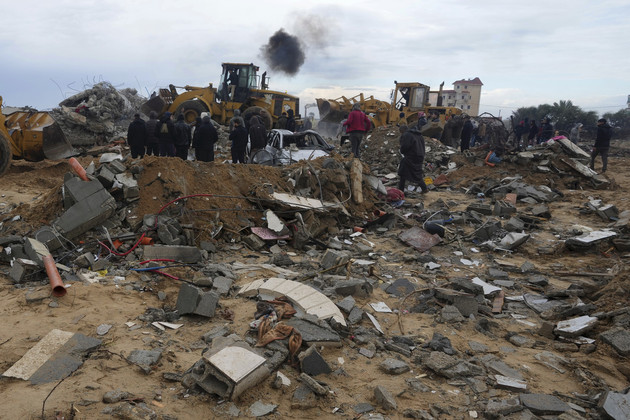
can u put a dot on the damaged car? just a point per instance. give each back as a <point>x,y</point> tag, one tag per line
<point>285,147</point>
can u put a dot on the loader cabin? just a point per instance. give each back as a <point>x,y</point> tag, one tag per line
<point>237,80</point>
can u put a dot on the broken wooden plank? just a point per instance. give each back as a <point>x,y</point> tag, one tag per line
<point>497,304</point>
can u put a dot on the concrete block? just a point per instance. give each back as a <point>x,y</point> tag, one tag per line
<point>193,300</point>
<point>619,339</point>
<point>106,177</point>
<point>22,269</point>
<point>319,334</point>
<point>467,305</point>
<point>35,250</point>
<point>185,254</point>
<point>78,190</point>
<point>222,285</point>
<point>254,242</point>
<point>401,287</point>
<point>312,363</point>
<point>515,225</point>
<point>384,398</point>
<point>130,185</point>
<point>486,232</point>
<point>332,258</point>
<point>230,372</point>
<point>86,214</point>
<point>544,404</point>
<point>346,304</point>
<point>355,316</point>
<point>117,167</point>
<point>484,209</point>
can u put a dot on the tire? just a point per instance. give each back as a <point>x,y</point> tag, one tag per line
<point>191,110</point>
<point>5,154</point>
<point>260,112</point>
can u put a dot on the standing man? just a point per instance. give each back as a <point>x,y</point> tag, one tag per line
<point>166,134</point>
<point>137,136</point>
<point>290,121</point>
<point>257,135</point>
<point>236,117</point>
<point>152,139</point>
<point>357,125</point>
<point>467,130</point>
<point>282,121</point>
<point>546,130</point>
<point>182,138</point>
<point>205,138</point>
<point>412,163</point>
<point>239,142</point>
<point>602,143</point>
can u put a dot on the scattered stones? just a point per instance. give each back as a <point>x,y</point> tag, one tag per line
<point>394,366</point>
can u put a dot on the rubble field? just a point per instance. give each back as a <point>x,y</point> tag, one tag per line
<point>197,290</point>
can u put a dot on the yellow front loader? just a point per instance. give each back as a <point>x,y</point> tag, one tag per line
<point>31,135</point>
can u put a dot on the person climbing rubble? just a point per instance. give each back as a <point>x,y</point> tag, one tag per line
<point>411,165</point>
<point>357,125</point>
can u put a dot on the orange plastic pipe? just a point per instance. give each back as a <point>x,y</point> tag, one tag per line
<point>78,169</point>
<point>56,284</point>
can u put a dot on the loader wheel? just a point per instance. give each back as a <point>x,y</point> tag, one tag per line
<point>5,155</point>
<point>191,110</point>
<point>258,111</point>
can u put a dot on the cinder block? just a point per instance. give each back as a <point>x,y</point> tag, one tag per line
<point>230,372</point>
<point>77,190</point>
<point>86,214</point>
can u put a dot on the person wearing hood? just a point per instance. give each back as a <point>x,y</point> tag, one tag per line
<point>137,137</point>
<point>165,131</point>
<point>357,125</point>
<point>236,117</point>
<point>205,138</point>
<point>257,135</point>
<point>282,121</point>
<point>152,139</point>
<point>602,144</point>
<point>574,134</point>
<point>422,120</point>
<point>182,138</point>
<point>411,166</point>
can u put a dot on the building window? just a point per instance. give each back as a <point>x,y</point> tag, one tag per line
<point>463,96</point>
<point>465,87</point>
<point>469,96</point>
<point>449,97</point>
<point>457,86</point>
<point>468,106</point>
<point>462,106</point>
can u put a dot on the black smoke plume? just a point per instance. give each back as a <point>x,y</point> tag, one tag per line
<point>283,53</point>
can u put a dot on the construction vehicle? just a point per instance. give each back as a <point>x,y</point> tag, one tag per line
<point>240,87</point>
<point>31,135</point>
<point>407,100</point>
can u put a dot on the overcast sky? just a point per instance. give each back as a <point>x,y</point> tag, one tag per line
<point>525,53</point>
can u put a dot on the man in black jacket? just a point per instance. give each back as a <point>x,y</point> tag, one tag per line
<point>182,138</point>
<point>602,143</point>
<point>412,163</point>
<point>205,138</point>
<point>239,142</point>
<point>137,136</point>
<point>467,130</point>
<point>152,139</point>
<point>257,135</point>
<point>165,131</point>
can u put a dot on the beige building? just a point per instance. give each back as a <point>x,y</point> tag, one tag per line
<point>465,95</point>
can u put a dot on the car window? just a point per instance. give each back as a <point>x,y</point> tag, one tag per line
<point>273,139</point>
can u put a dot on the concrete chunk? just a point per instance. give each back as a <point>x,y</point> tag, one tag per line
<point>193,300</point>
<point>544,404</point>
<point>619,339</point>
<point>185,254</point>
<point>86,214</point>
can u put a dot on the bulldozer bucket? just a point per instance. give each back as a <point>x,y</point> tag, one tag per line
<point>36,136</point>
<point>156,103</point>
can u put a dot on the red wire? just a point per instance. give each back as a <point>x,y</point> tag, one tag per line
<point>158,259</point>
<point>118,253</point>
<point>166,274</point>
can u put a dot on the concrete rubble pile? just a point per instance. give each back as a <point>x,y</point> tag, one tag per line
<point>333,295</point>
<point>97,115</point>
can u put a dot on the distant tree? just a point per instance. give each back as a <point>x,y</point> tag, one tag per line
<point>620,120</point>
<point>563,114</point>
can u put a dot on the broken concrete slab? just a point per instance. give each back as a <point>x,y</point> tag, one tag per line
<point>619,339</point>
<point>419,238</point>
<point>54,357</point>
<point>401,287</point>
<point>181,253</point>
<point>318,334</point>
<point>304,298</point>
<point>260,409</point>
<point>544,404</point>
<point>145,359</point>
<point>22,270</point>
<point>86,214</point>
<point>384,398</point>
<point>616,405</point>
<point>576,326</point>
<point>394,366</point>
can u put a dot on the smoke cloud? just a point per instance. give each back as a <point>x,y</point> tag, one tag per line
<point>284,53</point>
